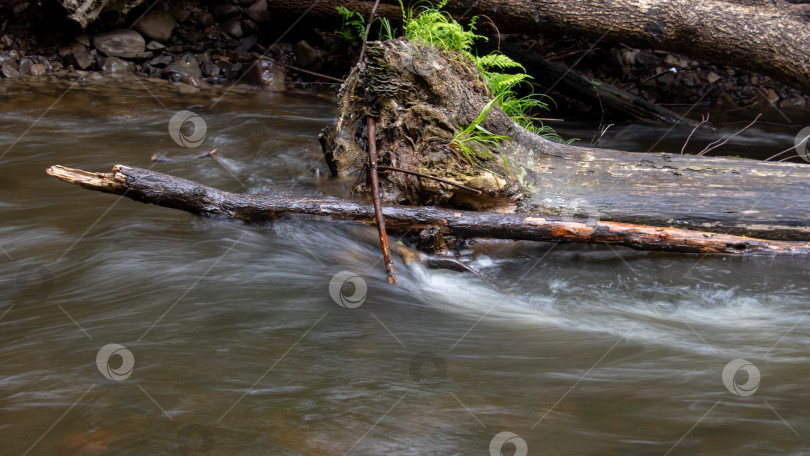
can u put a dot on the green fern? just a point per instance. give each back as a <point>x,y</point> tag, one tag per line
<point>428,25</point>
<point>496,60</point>
<point>354,25</point>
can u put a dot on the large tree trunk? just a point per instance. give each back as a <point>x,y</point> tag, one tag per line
<point>422,99</point>
<point>771,37</point>
<point>149,186</point>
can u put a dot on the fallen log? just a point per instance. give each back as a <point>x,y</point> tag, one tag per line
<point>422,99</point>
<point>770,37</point>
<point>152,187</point>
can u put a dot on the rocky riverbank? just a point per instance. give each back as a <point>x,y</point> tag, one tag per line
<point>198,45</point>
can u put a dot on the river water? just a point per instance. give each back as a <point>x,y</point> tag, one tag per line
<point>229,342</point>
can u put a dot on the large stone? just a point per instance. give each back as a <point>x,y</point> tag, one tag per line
<point>265,73</point>
<point>9,69</point>
<point>80,59</point>
<point>114,65</point>
<point>157,25</point>
<point>124,43</point>
<point>233,27</point>
<point>307,56</point>
<point>258,12</point>
<point>188,65</point>
<point>37,69</point>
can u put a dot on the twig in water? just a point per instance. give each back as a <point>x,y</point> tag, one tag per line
<point>375,198</point>
<point>714,145</point>
<point>223,165</point>
<point>428,176</point>
<point>604,130</point>
<point>806,138</point>
<point>703,119</point>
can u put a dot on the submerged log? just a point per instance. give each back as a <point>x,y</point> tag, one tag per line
<point>423,99</point>
<point>156,188</point>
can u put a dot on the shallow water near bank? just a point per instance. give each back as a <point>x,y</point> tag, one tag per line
<point>237,346</point>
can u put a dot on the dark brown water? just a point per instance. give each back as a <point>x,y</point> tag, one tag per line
<point>229,342</point>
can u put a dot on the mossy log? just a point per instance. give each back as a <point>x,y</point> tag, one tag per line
<point>422,98</point>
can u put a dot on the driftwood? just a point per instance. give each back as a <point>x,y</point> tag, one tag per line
<point>156,188</point>
<point>422,99</point>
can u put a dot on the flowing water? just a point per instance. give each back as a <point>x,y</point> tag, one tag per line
<point>229,341</point>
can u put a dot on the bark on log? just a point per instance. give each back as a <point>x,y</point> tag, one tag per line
<point>769,37</point>
<point>422,100</point>
<point>149,186</point>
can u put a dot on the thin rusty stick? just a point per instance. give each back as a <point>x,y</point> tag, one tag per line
<point>223,165</point>
<point>703,119</point>
<point>715,144</point>
<point>428,176</point>
<point>368,29</point>
<point>375,198</point>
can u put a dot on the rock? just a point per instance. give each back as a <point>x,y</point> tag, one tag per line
<point>205,19</point>
<point>754,80</point>
<point>773,97</point>
<point>181,15</point>
<point>193,81</point>
<point>307,56</point>
<point>157,25</point>
<point>258,12</point>
<point>37,69</point>
<point>250,26</point>
<point>713,77</point>
<point>186,89</point>
<point>81,60</point>
<point>9,69</point>
<point>230,70</point>
<point>233,27</point>
<point>188,65</point>
<point>24,67</point>
<point>114,65</point>
<point>7,41</point>
<point>124,43</point>
<point>210,69</point>
<point>265,73</point>
<point>683,63</point>
<point>155,46</point>
<point>671,60</point>
<point>161,61</point>
<point>83,39</point>
<point>226,11</point>
<point>247,43</point>
<point>630,57</point>
<point>70,48</point>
